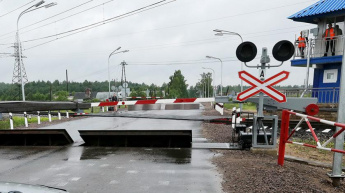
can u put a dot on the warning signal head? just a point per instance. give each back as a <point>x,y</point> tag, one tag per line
<point>283,50</point>
<point>246,51</point>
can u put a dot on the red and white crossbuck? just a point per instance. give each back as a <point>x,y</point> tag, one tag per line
<point>263,86</point>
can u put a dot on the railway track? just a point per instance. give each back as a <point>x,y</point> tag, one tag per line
<point>322,131</point>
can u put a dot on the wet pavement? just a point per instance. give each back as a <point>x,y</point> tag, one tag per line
<point>110,169</point>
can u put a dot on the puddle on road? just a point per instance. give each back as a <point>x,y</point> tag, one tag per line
<point>19,153</point>
<point>159,155</point>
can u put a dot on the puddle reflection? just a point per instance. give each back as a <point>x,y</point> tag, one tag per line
<point>159,155</point>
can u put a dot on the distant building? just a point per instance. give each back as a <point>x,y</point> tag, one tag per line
<point>327,69</point>
<point>83,95</point>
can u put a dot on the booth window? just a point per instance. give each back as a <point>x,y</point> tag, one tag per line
<point>330,76</point>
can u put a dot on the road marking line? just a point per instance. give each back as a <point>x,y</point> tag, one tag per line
<point>167,171</point>
<point>63,174</point>
<point>114,182</point>
<point>75,179</point>
<point>165,183</point>
<point>62,184</point>
<point>132,172</point>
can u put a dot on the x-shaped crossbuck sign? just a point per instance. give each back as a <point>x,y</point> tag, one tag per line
<point>263,86</point>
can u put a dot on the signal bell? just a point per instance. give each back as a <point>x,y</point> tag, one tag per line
<point>246,51</point>
<point>283,50</point>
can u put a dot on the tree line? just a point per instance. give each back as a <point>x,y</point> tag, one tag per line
<point>59,91</point>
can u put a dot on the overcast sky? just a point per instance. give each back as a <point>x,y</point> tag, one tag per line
<point>174,36</point>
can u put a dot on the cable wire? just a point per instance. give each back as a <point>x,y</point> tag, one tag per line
<point>16,9</point>
<point>97,24</point>
<point>47,19</point>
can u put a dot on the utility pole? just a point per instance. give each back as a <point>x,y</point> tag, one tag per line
<point>336,173</point>
<point>123,77</point>
<point>19,74</point>
<point>208,86</point>
<point>67,81</point>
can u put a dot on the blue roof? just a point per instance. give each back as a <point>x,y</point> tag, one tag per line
<point>323,8</point>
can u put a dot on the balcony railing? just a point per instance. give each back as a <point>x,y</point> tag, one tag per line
<point>318,47</point>
<point>328,95</point>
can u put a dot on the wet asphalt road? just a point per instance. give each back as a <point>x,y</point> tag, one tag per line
<point>109,169</point>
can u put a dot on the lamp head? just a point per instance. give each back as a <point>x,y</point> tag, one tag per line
<point>246,51</point>
<point>50,5</point>
<point>39,3</point>
<point>283,50</point>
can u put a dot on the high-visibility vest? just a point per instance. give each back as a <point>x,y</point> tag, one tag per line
<point>331,33</point>
<point>301,42</point>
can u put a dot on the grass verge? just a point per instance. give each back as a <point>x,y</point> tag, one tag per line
<point>20,121</point>
<point>246,106</point>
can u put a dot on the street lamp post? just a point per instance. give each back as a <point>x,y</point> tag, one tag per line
<point>221,73</point>
<point>19,43</point>
<point>113,53</point>
<point>214,74</point>
<point>224,32</point>
<point>208,87</point>
<point>199,89</point>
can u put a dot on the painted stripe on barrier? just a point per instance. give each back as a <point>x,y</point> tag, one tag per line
<point>154,101</point>
<point>145,102</point>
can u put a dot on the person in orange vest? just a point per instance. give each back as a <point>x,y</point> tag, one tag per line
<point>301,44</point>
<point>329,38</point>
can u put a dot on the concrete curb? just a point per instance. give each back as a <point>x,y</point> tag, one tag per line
<point>309,162</point>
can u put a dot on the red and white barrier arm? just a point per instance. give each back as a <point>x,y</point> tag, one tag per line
<point>317,147</point>
<point>342,125</point>
<point>154,101</point>
<point>284,133</point>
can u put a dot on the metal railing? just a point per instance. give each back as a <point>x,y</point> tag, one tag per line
<point>318,47</point>
<point>328,95</point>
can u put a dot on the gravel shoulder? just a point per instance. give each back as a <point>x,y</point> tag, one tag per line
<point>244,171</point>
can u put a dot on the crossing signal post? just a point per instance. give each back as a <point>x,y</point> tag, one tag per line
<point>246,52</point>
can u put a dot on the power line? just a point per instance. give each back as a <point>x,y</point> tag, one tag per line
<point>97,24</point>
<point>104,70</point>
<point>195,42</point>
<point>214,39</point>
<point>160,28</point>
<point>187,43</point>
<point>16,9</point>
<point>47,18</point>
<point>175,25</point>
<point>204,21</point>
<point>100,22</point>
